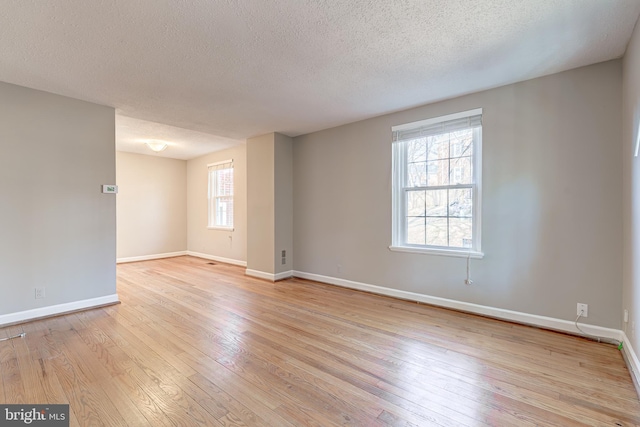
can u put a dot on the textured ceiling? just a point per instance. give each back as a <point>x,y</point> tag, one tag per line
<point>239,68</point>
<point>185,144</point>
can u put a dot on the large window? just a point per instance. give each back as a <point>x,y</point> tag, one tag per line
<point>436,185</point>
<point>221,195</point>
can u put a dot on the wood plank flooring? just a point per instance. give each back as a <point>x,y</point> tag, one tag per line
<point>200,344</point>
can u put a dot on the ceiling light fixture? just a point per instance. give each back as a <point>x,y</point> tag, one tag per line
<point>157,146</point>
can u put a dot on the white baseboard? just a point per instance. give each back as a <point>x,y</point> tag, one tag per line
<point>283,275</point>
<point>632,361</point>
<point>498,313</point>
<point>260,274</point>
<point>217,258</point>
<point>269,276</point>
<point>54,310</point>
<point>150,257</point>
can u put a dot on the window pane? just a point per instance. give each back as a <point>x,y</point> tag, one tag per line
<point>415,230</point>
<point>224,211</point>
<point>220,212</point>
<point>224,182</point>
<point>460,232</point>
<point>438,147</point>
<point>461,202</point>
<point>438,172</point>
<point>461,143</point>
<point>417,174</point>
<point>436,203</point>
<point>415,203</point>
<point>436,232</point>
<point>417,150</point>
<point>461,171</point>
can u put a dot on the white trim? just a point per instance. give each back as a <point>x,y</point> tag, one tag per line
<point>632,360</point>
<point>434,120</point>
<point>54,310</point>
<point>217,258</point>
<point>216,227</point>
<point>283,275</point>
<point>269,276</point>
<point>220,163</point>
<point>260,274</point>
<point>433,251</point>
<point>477,203</point>
<point>635,153</point>
<point>150,257</point>
<point>499,313</point>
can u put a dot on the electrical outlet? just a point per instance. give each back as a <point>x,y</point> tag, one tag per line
<point>339,268</point>
<point>583,310</point>
<point>626,316</point>
<point>39,293</point>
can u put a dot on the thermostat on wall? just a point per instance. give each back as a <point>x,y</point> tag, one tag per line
<point>110,189</point>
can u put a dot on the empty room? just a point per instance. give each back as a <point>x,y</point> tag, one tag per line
<point>299,213</point>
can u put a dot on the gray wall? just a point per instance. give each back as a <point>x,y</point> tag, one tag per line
<point>58,230</point>
<point>151,205</point>
<point>631,187</point>
<point>221,243</point>
<point>283,204</point>
<point>270,204</point>
<point>552,200</point>
<point>260,204</point>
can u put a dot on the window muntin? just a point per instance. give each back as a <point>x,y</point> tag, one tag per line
<point>221,195</point>
<point>436,186</point>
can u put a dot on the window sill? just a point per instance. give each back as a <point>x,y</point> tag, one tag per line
<point>221,228</point>
<point>459,253</point>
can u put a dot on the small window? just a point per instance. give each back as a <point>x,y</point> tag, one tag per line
<point>221,195</point>
<point>436,185</point>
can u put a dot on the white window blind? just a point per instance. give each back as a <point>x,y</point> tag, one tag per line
<point>221,194</point>
<point>418,130</point>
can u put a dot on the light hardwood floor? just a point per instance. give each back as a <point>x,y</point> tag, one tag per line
<point>200,344</point>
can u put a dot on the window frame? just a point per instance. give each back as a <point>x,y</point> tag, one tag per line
<point>213,222</point>
<point>399,192</point>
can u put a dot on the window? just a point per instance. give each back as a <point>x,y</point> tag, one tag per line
<point>221,195</point>
<point>436,185</point>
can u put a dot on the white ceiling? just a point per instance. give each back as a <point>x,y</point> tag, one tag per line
<point>240,68</point>
<point>185,144</point>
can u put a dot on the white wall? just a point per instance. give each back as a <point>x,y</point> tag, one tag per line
<point>552,200</point>
<point>151,205</point>
<point>230,245</point>
<point>631,188</point>
<point>57,229</point>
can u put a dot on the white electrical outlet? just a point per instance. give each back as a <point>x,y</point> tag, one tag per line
<point>39,293</point>
<point>583,310</point>
<point>626,316</point>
